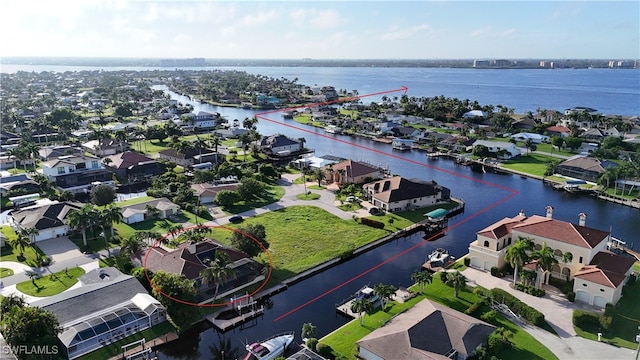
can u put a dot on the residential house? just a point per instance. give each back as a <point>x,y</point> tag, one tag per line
<point>584,243</point>
<point>280,145</point>
<point>105,147</point>
<point>511,150</point>
<point>206,192</point>
<point>404,132</point>
<point>427,137</point>
<point>76,173</point>
<point>474,114</point>
<point>135,213</point>
<point>427,331</point>
<point>267,101</point>
<point>329,92</point>
<point>55,151</point>
<point>50,220</point>
<point>203,120</point>
<point>19,183</point>
<point>13,162</point>
<point>457,143</point>
<point>190,157</point>
<point>584,167</point>
<point>558,131</point>
<point>400,194</point>
<point>594,134</point>
<point>106,306</point>
<point>8,138</point>
<point>354,172</point>
<point>601,282</point>
<point>524,123</point>
<point>133,166</point>
<point>231,133</point>
<point>384,127</point>
<point>189,259</point>
<point>535,138</point>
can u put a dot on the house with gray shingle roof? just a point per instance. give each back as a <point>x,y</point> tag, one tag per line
<point>50,220</point>
<point>353,172</point>
<point>584,167</point>
<point>134,213</point>
<point>427,331</point>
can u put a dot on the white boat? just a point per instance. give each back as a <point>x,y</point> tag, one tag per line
<point>439,258</point>
<point>367,293</point>
<point>270,348</point>
<point>332,129</point>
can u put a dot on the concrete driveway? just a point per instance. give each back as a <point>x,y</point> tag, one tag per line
<point>60,249</point>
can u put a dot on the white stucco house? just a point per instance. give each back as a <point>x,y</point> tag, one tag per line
<point>495,146</point>
<point>135,213</point>
<point>50,220</point>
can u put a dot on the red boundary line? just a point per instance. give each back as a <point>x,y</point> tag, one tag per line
<point>512,192</point>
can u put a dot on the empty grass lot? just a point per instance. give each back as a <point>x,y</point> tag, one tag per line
<point>343,340</point>
<point>533,164</point>
<point>51,284</point>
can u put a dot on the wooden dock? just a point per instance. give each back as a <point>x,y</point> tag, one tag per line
<point>226,324</point>
<point>144,348</point>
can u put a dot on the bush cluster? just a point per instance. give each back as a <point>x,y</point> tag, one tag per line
<point>325,350</point>
<point>473,308</point>
<point>467,261</point>
<point>373,223</point>
<point>497,272</point>
<point>585,319</point>
<point>571,296</point>
<point>531,290</point>
<point>312,343</point>
<point>518,307</point>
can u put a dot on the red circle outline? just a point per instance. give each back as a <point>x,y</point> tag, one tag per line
<point>155,244</point>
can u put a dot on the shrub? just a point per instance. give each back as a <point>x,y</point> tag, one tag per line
<point>473,308</point>
<point>373,223</point>
<point>467,261</point>
<point>325,350</point>
<point>443,277</point>
<point>312,343</point>
<point>609,310</point>
<point>605,321</point>
<point>518,307</point>
<point>571,296</point>
<point>494,271</point>
<point>489,316</point>
<point>495,343</point>
<point>585,319</point>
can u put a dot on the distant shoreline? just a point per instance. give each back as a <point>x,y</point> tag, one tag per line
<point>543,64</point>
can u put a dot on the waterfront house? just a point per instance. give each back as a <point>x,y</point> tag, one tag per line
<point>353,172</point>
<point>524,123</point>
<point>107,306</point>
<point>50,220</point>
<point>76,173</point>
<point>511,150</point>
<point>202,120</point>
<point>105,147</point>
<point>189,157</point>
<point>135,213</point>
<point>280,145</point>
<point>18,184</point>
<point>584,167</point>
<point>535,138</point>
<point>400,194</point>
<point>189,259</point>
<point>133,166</point>
<point>590,263</point>
<point>426,331</point>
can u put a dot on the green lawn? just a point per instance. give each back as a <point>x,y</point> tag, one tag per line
<point>344,339</point>
<point>51,284</point>
<point>7,253</point>
<point>415,216</point>
<point>4,272</point>
<point>150,147</point>
<point>625,323</point>
<point>308,196</point>
<point>134,201</point>
<point>636,267</point>
<point>271,194</point>
<point>115,348</point>
<point>158,225</point>
<point>533,164</point>
<point>301,237</point>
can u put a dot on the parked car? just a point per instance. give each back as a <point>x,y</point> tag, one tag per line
<point>350,199</point>
<point>374,210</point>
<point>235,219</point>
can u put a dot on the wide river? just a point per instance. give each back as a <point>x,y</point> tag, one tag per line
<point>488,197</point>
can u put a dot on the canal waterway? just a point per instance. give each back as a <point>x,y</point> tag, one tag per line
<point>488,197</point>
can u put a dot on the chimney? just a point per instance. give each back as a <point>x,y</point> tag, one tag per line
<point>521,212</point>
<point>583,219</point>
<point>550,212</point>
<point>192,247</point>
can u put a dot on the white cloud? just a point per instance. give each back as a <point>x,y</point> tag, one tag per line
<point>261,18</point>
<point>397,33</point>
<point>480,32</point>
<point>320,19</point>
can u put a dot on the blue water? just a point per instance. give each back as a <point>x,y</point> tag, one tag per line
<point>610,91</point>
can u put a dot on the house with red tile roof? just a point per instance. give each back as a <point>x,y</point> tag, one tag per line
<point>590,262</point>
<point>558,131</point>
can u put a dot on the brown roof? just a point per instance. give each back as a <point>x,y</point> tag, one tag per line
<point>427,331</point>
<point>558,129</point>
<point>355,169</point>
<point>607,269</point>
<point>126,159</point>
<point>501,228</point>
<point>562,231</point>
<point>211,190</point>
<point>586,163</point>
<point>398,189</point>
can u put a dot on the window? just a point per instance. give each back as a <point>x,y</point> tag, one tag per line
<point>94,163</point>
<point>486,243</point>
<point>580,260</point>
<point>61,170</point>
<point>509,242</point>
<point>602,290</point>
<point>584,284</point>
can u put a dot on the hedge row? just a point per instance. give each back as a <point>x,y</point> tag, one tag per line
<point>373,223</point>
<point>517,306</point>
<point>530,290</point>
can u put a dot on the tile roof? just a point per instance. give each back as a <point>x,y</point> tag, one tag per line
<point>211,190</point>
<point>126,159</point>
<point>562,231</point>
<point>355,168</point>
<point>425,332</point>
<point>587,163</point>
<point>607,269</point>
<point>501,228</point>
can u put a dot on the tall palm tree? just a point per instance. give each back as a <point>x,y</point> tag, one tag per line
<point>174,230</point>
<point>217,272</point>
<point>20,242</point>
<point>122,136</point>
<point>83,219</point>
<point>421,278</point>
<point>131,245</point>
<point>384,292</point>
<point>457,281</point>
<point>319,175</point>
<point>245,140</point>
<point>111,214</point>
<point>200,144</point>
<point>30,233</point>
<point>546,260</point>
<point>361,307</point>
<point>517,255</point>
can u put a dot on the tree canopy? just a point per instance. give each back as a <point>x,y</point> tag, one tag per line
<point>244,243</point>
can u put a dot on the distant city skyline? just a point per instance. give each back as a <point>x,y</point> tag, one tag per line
<point>322,30</point>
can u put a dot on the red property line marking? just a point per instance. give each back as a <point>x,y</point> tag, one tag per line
<point>512,192</point>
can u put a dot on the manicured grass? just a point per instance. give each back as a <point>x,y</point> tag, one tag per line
<point>7,253</point>
<point>51,284</point>
<point>316,187</point>
<point>150,147</point>
<point>534,164</point>
<point>344,339</point>
<point>308,196</point>
<point>392,222</point>
<point>301,237</point>
<point>94,241</point>
<point>352,206</point>
<point>636,267</point>
<point>4,272</point>
<point>271,194</point>
<point>134,201</point>
<point>115,348</point>
<point>625,324</point>
<point>158,225</point>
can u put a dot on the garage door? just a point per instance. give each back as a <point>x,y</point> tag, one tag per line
<point>476,263</point>
<point>600,301</point>
<point>583,296</point>
<point>488,265</point>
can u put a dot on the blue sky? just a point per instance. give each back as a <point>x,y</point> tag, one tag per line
<point>321,30</point>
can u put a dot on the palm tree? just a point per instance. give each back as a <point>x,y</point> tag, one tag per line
<point>131,245</point>
<point>384,292</point>
<point>122,136</point>
<point>20,242</point>
<point>302,142</point>
<point>546,260</point>
<point>361,307</point>
<point>111,214</point>
<point>517,255</point>
<point>319,175</point>
<point>457,281</point>
<point>30,233</point>
<point>567,257</point>
<point>421,278</point>
<point>245,140</point>
<point>217,272</point>
<point>83,219</point>
<point>174,230</point>
<point>200,144</point>
<point>308,331</point>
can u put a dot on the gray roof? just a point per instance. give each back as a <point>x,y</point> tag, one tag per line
<point>45,217</point>
<point>96,296</point>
